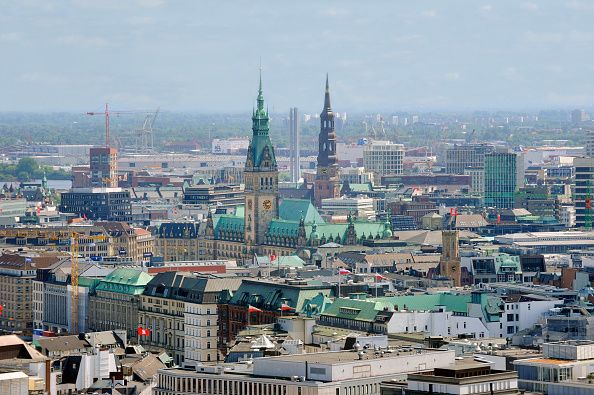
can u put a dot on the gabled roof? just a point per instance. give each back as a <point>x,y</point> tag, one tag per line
<point>62,343</point>
<point>178,230</point>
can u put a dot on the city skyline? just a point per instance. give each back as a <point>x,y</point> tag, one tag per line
<point>392,56</point>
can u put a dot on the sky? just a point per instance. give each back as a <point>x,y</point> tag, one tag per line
<point>204,56</point>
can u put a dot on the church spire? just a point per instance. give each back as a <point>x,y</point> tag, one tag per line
<point>260,150</point>
<point>260,94</point>
<point>327,96</point>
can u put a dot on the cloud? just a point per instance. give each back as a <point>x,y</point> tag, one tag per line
<point>528,6</point>
<point>335,12</point>
<point>80,40</point>
<point>429,14</point>
<point>547,38</point>
<point>41,77</point>
<point>579,5</point>
<point>452,76</point>
<point>10,37</point>
<point>487,8</point>
<point>150,3</point>
<point>137,20</point>
<point>569,100</point>
<point>512,74</point>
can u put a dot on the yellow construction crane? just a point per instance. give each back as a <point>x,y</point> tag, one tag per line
<point>74,273</point>
<point>55,235</point>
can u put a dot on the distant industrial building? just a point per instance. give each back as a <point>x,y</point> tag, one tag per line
<point>234,145</point>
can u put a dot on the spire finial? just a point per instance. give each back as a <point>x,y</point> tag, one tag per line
<point>260,94</point>
<point>260,90</point>
<point>327,85</point>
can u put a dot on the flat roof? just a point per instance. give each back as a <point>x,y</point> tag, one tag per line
<point>548,361</point>
<point>350,356</point>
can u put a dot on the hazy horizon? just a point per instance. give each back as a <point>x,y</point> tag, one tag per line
<point>386,56</point>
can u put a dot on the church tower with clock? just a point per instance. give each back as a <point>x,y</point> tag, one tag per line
<point>260,177</point>
<point>327,182</point>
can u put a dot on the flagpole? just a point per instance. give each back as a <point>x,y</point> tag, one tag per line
<point>375,286</point>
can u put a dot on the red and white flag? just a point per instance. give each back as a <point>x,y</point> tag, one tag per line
<point>286,307</point>
<point>143,331</point>
<point>272,257</point>
<point>379,277</point>
<point>252,309</point>
<point>344,271</point>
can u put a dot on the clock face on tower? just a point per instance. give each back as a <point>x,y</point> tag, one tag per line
<point>324,170</point>
<point>267,204</point>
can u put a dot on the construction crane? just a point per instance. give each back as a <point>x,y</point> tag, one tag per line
<point>144,136</point>
<point>74,274</point>
<point>108,113</point>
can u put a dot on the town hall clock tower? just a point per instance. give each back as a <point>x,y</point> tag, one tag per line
<point>261,179</point>
<point>327,182</point>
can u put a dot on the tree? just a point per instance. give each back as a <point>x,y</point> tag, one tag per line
<point>26,167</point>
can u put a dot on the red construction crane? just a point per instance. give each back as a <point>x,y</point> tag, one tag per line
<point>107,114</point>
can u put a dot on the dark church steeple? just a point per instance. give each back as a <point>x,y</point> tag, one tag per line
<point>327,183</point>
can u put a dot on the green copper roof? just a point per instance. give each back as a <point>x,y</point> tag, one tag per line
<point>507,264</point>
<point>228,222</point>
<point>354,309</point>
<point>294,209</point>
<point>283,260</point>
<point>270,296</point>
<point>316,305</point>
<point>367,309</point>
<point>88,282</point>
<point>457,303</point>
<point>360,187</point>
<point>260,149</point>
<point>126,281</point>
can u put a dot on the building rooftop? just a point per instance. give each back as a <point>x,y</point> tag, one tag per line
<point>338,357</point>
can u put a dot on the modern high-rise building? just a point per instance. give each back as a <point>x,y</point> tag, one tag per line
<point>327,182</point>
<point>579,116</point>
<point>294,131</point>
<point>582,195</point>
<point>104,167</point>
<point>589,143</point>
<point>477,180</point>
<point>504,175</point>
<point>383,158</point>
<point>462,157</point>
